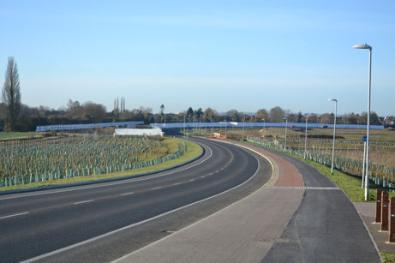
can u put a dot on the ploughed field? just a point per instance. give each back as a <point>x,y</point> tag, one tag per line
<point>27,161</point>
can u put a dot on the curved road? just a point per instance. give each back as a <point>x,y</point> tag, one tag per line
<point>51,224</point>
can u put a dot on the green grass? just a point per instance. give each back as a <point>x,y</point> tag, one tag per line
<point>350,185</point>
<point>4,136</point>
<point>388,257</point>
<point>194,150</point>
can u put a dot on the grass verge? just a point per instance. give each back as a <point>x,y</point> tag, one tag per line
<point>350,185</point>
<point>194,150</point>
<point>388,257</point>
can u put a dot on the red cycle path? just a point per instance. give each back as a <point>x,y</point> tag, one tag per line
<point>288,174</point>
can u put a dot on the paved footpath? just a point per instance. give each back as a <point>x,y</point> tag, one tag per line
<point>299,216</point>
<point>368,213</point>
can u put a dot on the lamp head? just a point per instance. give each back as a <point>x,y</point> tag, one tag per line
<point>334,100</point>
<point>362,46</point>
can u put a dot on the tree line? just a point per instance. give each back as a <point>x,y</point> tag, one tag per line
<point>16,116</point>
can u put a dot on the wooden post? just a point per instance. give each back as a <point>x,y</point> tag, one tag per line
<point>392,220</point>
<point>378,205</point>
<point>384,211</point>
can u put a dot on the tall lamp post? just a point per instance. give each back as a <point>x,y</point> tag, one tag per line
<point>305,138</point>
<point>366,158</point>
<point>244,126</point>
<point>334,134</point>
<point>286,126</point>
<point>185,113</point>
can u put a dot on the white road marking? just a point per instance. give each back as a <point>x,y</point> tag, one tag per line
<point>191,180</point>
<point>107,184</point>
<point>176,184</point>
<point>14,215</point>
<point>82,243</point>
<point>156,188</point>
<point>128,193</point>
<point>83,202</point>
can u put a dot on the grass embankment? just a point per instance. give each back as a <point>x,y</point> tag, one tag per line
<point>193,151</point>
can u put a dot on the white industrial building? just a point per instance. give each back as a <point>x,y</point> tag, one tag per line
<point>139,132</point>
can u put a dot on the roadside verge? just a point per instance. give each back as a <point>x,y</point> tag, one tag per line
<point>195,152</point>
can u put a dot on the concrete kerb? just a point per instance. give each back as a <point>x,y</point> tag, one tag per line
<point>55,252</point>
<point>269,183</point>
<point>274,166</point>
<point>363,222</point>
<point>367,230</point>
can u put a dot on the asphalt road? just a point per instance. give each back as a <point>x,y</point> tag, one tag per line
<point>325,228</point>
<point>34,225</point>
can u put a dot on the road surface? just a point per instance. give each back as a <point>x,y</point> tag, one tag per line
<point>101,222</point>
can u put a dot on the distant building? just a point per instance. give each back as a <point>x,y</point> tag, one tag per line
<point>154,132</point>
<point>87,126</point>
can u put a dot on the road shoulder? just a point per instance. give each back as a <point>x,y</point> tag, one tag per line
<point>241,232</point>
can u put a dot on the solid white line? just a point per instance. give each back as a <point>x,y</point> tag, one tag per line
<point>14,215</point>
<point>128,193</point>
<point>55,252</point>
<point>83,202</point>
<point>202,219</point>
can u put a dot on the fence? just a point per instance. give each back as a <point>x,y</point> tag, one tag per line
<point>68,168</point>
<point>379,174</point>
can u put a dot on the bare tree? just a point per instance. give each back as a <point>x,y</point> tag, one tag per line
<point>277,114</point>
<point>12,94</point>
<point>262,115</point>
<point>210,114</point>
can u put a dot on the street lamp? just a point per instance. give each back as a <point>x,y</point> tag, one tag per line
<point>334,134</point>
<point>185,113</point>
<point>244,126</point>
<point>286,126</point>
<point>366,158</point>
<point>305,138</point>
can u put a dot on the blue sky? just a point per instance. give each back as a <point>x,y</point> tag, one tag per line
<point>224,54</point>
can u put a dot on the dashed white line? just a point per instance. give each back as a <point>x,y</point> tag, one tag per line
<point>176,184</point>
<point>191,180</point>
<point>14,215</point>
<point>128,193</point>
<point>83,202</point>
<point>156,188</point>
